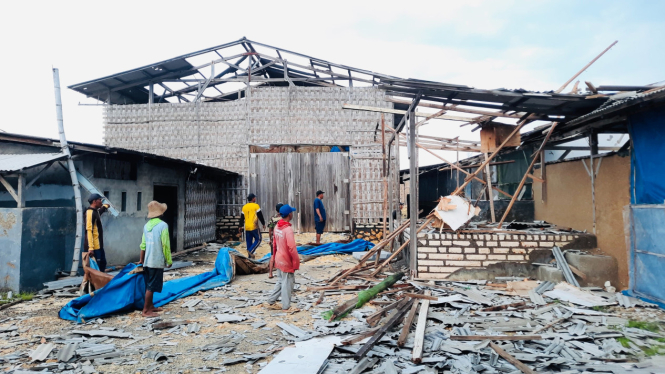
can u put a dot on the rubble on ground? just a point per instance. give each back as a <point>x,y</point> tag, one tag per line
<point>501,326</point>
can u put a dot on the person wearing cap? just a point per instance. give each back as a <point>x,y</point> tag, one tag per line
<point>319,215</point>
<point>155,255</point>
<point>271,227</point>
<point>286,259</point>
<point>249,220</point>
<point>93,242</point>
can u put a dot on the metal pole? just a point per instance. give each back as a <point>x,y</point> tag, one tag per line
<point>72,173</point>
<point>413,191</point>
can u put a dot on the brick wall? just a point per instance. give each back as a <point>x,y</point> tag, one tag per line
<point>227,228</point>
<point>441,254</point>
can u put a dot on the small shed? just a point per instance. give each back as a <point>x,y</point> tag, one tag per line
<point>38,213</point>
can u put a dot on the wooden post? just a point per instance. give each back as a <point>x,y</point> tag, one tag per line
<point>543,176</point>
<point>526,174</point>
<point>490,194</point>
<point>20,203</point>
<point>419,343</point>
<point>407,324</point>
<point>413,191</point>
<point>384,178</point>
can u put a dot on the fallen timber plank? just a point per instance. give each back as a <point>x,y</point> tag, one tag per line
<point>506,356</point>
<point>372,251</point>
<point>375,317</point>
<point>408,321</point>
<point>419,344</point>
<point>356,338</point>
<point>503,307</point>
<point>491,337</point>
<point>423,297</point>
<point>387,261</point>
<point>406,304</point>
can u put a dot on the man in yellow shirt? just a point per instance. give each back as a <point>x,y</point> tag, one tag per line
<point>94,233</point>
<point>249,220</point>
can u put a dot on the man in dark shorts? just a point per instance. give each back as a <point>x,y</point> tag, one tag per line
<point>319,215</point>
<point>155,255</point>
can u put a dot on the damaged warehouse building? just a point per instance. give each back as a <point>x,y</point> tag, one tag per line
<point>290,124</point>
<point>540,253</point>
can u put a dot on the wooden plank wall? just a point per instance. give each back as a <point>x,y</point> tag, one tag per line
<point>294,178</point>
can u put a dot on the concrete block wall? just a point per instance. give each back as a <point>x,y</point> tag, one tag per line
<point>372,232</point>
<point>227,228</point>
<point>439,255</point>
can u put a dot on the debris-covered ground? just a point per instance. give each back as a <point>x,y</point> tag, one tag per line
<point>456,327</point>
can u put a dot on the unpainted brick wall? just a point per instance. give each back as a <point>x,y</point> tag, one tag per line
<point>441,254</point>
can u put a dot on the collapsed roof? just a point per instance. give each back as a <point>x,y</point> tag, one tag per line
<point>197,76</point>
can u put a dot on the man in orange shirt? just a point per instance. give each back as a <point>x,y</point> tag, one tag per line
<point>286,259</point>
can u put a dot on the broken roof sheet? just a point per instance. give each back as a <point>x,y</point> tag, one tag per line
<point>17,162</point>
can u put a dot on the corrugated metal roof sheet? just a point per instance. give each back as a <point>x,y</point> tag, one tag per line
<point>16,162</point>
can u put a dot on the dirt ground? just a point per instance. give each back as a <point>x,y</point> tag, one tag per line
<point>39,318</point>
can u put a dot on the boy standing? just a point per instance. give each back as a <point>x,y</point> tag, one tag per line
<point>271,228</point>
<point>155,255</point>
<point>286,259</point>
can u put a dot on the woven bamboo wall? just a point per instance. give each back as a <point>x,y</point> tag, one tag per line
<point>219,134</point>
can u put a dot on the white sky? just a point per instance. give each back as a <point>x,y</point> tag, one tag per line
<point>485,44</point>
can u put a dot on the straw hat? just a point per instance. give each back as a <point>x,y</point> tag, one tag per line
<point>156,209</point>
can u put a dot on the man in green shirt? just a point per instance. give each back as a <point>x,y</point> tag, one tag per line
<point>155,255</point>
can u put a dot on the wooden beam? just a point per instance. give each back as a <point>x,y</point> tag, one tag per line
<point>495,188</point>
<point>392,256</point>
<point>384,329</point>
<point>515,362</point>
<point>492,337</point>
<point>397,111</point>
<point>39,173</point>
<point>533,162</point>
<point>422,297</point>
<point>419,344</point>
<point>585,67</point>
<point>10,189</point>
<point>455,108</point>
<point>535,178</point>
<point>476,165</point>
<point>408,321</point>
<point>490,195</point>
<point>21,191</point>
<point>449,163</point>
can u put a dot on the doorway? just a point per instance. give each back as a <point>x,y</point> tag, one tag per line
<point>169,196</point>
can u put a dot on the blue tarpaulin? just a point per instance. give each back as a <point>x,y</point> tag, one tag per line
<point>125,292</point>
<point>357,245</point>
<point>647,155</point>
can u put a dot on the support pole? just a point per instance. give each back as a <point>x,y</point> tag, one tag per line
<point>385,177</point>
<point>526,175</point>
<point>413,191</point>
<point>72,173</point>
<point>490,194</point>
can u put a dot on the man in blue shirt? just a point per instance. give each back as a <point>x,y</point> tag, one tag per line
<point>319,215</point>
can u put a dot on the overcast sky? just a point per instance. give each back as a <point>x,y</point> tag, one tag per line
<point>535,45</point>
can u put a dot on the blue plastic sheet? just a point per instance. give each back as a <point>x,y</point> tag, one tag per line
<point>647,179</point>
<point>358,245</point>
<point>125,292</point>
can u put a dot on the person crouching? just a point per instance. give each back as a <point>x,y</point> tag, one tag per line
<point>286,259</point>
